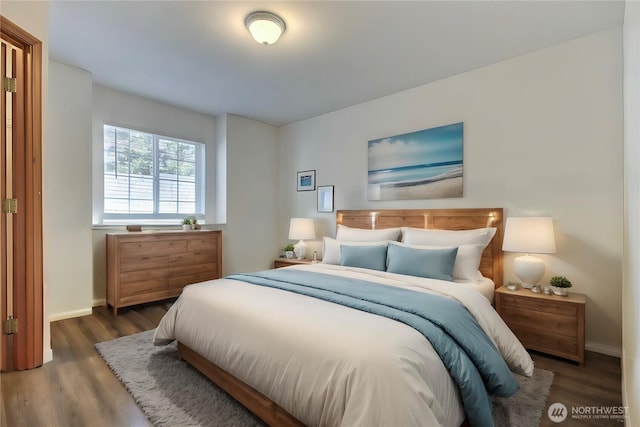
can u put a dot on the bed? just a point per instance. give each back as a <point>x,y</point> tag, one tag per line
<point>294,358</point>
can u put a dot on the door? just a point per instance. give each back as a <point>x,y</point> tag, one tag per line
<point>21,342</point>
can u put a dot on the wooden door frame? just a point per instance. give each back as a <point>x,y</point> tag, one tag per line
<point>28,264</point>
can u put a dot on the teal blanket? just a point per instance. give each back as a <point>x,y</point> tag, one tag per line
<point>471,358</point>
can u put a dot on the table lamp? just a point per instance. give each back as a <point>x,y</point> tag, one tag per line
<point>300,229</point>
<point>531,235</point>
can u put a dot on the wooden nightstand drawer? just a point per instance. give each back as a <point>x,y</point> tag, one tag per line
<point>288,262</point>
<point>547,323</point>
<point>547,343</point>
<point>544,306</point>
<point>540,321</point>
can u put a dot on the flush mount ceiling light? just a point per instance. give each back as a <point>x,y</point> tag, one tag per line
<point>265,27</point>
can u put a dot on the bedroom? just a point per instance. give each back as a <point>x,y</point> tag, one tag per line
<point>550,100</point>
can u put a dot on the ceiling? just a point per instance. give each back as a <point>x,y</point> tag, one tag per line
<point>198,55</point>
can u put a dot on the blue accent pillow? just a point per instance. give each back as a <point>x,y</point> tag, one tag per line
<point>373,257</point>
<point>431,263</point>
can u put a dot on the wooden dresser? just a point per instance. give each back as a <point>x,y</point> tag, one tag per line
<point>547,323</point>
<point>155,265</point>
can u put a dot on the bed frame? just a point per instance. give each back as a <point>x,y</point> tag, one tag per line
<point>447,219</point>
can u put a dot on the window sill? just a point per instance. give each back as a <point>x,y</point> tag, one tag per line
<point>152,226</point>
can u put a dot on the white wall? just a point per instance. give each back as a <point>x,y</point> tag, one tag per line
<point>250,237</point>
<point>34,18</point>
<point>542,136</point>
<point>631,283</point>
<point>124,109</point>
<point>69,181</point>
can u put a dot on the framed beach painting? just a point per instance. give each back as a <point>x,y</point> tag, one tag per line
<point>425,164</point>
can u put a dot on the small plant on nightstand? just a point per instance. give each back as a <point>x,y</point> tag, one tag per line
<point>560,285</point>
<point>288,251</point>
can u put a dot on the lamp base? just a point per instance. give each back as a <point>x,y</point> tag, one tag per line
<point>300,249</point>
<point>529,270</point>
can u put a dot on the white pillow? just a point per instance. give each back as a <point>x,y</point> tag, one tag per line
<point>365,235</point>
<point>467,260</point>
<point>331,253</point>
<point>430,237</point>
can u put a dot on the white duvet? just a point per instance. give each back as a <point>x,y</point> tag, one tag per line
<point>326,364</point>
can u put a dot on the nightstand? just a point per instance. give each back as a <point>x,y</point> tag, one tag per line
<point>547,323</point>
<point>286,262</point>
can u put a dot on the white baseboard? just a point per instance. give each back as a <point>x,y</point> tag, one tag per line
<point>47,356</point>
<point>70,314</point>
<point>603,349</point>
<point>78,313</point>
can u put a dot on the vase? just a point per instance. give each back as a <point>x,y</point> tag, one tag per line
<point>289,254</point>
<point>563,292</point>
<point>187,226</point>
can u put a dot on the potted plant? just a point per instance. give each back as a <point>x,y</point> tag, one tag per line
<point>187,224</point>
<point>288,251</point>
<point>560,285</point>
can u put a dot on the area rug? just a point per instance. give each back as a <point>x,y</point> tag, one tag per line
<point>172,393</point>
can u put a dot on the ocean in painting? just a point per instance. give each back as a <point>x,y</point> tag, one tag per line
<point>418,174</point>
<point>418,165</point>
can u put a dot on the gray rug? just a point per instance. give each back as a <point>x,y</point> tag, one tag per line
<point>172,393</point>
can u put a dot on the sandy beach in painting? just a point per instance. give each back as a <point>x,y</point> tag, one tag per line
<point>446,185</point>
<point>446,188</point>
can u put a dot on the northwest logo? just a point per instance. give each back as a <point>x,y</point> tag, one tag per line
<point>557,412</point>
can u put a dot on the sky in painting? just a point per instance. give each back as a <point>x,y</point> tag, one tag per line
<point>441,144</point>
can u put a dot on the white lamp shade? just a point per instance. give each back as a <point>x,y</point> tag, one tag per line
<point>302,228</point>
<point>532,235</point>
<point>265,27</point>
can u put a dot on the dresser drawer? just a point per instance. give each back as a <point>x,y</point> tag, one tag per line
<point>144,275</point>
<point>143,262</point>
<point>193,258</point>
<point>182,280</point>
<point>144,286</point>
<point>152,247</point>
<point>202,244</point>
<point>150,296</point>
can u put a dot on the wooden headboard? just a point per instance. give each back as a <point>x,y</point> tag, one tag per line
<point>444,219</point>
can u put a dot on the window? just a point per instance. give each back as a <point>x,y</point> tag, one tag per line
<point>151,177</point>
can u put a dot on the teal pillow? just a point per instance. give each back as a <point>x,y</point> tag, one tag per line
<point>373,257</point>
<point>431,263</point>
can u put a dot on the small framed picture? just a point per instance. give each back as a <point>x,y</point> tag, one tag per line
<point>307,180</point>
<point>325,198</point>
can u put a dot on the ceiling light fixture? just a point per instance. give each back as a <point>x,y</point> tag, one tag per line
<point>265,27</point>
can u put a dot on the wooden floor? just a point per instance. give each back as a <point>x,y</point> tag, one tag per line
<point>78,389</point>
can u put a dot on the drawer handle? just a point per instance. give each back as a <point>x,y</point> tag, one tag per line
<point>145,258</point>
